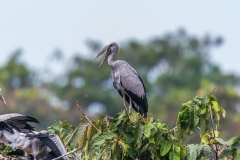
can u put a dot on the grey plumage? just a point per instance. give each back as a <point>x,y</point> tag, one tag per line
<point>126,80</point>
<point>18,122</point>
<point>15,131</point>
<point>53,146</point>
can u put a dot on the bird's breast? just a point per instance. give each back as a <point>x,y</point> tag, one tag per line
<point>117,81</point>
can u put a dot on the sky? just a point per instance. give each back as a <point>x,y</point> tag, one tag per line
<point>41,27</point>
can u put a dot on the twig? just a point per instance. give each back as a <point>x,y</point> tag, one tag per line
<point>70,138</point>
<point>210,110</point>
<point>66,153</point>
<point>80,109</point>
<point>79,155</point>
<point>173,129</point>
<point>212,92</point>
<point>213,134</point>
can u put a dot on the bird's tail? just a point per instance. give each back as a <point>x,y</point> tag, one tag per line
<point>145,115</point>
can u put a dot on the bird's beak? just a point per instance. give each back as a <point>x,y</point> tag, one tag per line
<point>103,50</point>
<point>3,100</point>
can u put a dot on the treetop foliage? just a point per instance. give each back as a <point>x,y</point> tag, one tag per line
<point>134,137</point>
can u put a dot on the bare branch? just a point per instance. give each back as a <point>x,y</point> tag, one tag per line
<point>213,134</point>
<point>84,115</point>
<point>212,92</point>
<point>70,138</point>
<point>67,153</point>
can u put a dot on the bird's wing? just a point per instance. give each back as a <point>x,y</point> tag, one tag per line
<point>16,152</point>
<point>20,122</point>
<point>19,117</point>
<point>58,142</point>
<point>52,143</point>
<point>134,87</point>
<point>5,126</point>
<point>19,152</point>
<point>131,81</point>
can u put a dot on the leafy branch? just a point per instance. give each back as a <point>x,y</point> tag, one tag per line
<point>118,137</point>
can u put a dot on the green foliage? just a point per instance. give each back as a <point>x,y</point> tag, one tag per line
<point>120,137</point>
<point>134,137</point>
<point>6,150</point>
<point>197,113</point>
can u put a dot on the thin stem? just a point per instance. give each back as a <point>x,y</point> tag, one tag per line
<point>84,115</point>
<point>210,110</point>
<point>213,134</point>
<point>212,92</point>
<point>66,153</point>
<point>70,138</point>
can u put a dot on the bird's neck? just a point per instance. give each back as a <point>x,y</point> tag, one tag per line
<point>110,60</point>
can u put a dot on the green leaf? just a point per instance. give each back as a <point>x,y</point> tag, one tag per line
<point>192,152</point>
<point>56,126</point>
<point>203,125</point>
<point>183,152</point>
<point>204,139</point>
<point>206,152</point>
<point>151,139</point>
<point>105,136</point>
<point>143,149</point>
<point>137,133</point>
<point>165,147</point>
<point>233,140</point>
<point>124,146</point>
<point>197,101</point>
<point>236,153</point>
<point>221,141</point>
<point>212,97</point>
<point>160,125</point>
<point>222,110</point>
<point>202,109</point>
<point>216,117</point>
<point>7,150</point>
<point>79,133</point>
<point>215,106</point>
<point>175,153</point>
<point>51,131</point>
<point>206,100</point>
<point>147,129</point>
<point>193,119</point>
<point>225,154</point>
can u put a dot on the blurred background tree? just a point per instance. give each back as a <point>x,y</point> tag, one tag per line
<point>174,67</point>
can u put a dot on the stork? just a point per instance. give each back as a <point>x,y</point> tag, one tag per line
<point>126,81</point>
<point>2,98</point>
<point>15,131</point>
<point>40,145</point>
<point>53,145</point>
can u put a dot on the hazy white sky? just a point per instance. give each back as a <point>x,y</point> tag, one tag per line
<point>40,27</point>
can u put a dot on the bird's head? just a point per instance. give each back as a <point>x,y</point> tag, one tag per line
<point>111,49</point>
<point>2,98</point>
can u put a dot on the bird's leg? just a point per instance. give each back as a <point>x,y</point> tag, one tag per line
<point>130,106</point>
<point>124,103</point>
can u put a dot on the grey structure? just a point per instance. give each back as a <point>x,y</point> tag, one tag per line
<point>126,80</point>
<point>2,98</point>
